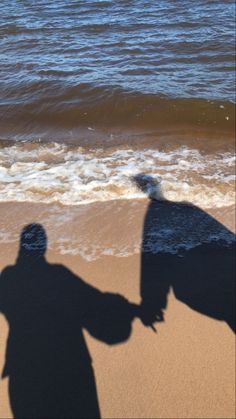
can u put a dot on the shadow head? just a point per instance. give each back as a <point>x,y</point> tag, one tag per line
<point>149,185</point>
<point>33,241</point>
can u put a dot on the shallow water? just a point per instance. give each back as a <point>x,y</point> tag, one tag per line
<point>115,228</point>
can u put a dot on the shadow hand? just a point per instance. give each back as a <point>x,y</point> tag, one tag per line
<point>149,316</point>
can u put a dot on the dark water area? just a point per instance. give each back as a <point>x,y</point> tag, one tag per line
<point>71,65</point>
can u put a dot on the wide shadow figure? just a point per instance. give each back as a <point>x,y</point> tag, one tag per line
<point>185,249</point>
<point>47,360</point>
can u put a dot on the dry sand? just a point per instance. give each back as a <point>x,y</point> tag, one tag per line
<point>185,370</point>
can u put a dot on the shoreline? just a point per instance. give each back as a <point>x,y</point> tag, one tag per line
<point>81,230</point>
<point>207,140</point>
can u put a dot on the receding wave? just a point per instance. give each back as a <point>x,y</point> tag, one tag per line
<point>54,107</point>
<point>89,230</point>
<point>72,175</point>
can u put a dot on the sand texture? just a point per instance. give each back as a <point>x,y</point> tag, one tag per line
<point>184,370</point>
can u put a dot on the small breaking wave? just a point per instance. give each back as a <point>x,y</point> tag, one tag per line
<point>68,175</point>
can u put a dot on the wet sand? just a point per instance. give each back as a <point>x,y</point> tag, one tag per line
<point>185,370</point>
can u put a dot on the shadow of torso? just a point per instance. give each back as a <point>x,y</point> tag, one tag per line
<point>47,359</point>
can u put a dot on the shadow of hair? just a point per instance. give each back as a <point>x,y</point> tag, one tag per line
<point>180,250</point>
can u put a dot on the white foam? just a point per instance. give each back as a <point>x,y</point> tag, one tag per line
<point>74,176</point>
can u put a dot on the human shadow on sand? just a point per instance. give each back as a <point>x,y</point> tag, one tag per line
<point>47,360</point>
<point>185,249</point>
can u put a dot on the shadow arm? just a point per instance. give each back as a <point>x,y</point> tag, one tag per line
<point>109,317</point>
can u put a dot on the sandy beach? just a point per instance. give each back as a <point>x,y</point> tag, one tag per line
<point>185,370</point>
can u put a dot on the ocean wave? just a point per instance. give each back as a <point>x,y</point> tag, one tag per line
<point>74,175</point>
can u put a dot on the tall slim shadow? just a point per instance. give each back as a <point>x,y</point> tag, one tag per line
<point>47,360</point>
<point>185,249</point>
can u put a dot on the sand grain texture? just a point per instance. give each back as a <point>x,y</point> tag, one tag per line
<point>185,370</point>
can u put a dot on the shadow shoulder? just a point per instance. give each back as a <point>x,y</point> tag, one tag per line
<point>63,273</point>
<point>58,268</point>
<point>7,272</point>
<point>7,279</point>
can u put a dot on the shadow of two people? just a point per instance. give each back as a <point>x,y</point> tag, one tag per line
<point>48,363</point>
